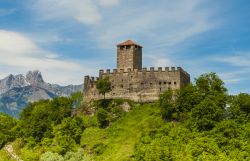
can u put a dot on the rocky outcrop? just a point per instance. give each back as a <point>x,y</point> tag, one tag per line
<point>17,91</point>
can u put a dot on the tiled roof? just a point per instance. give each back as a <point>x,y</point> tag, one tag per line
<point>129,42</point>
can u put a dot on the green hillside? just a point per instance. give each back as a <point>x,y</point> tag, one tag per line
<point>200,122</point>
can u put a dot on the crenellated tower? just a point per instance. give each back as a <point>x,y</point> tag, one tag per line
<point>129,55</point>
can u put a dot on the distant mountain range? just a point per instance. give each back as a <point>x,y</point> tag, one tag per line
<point>16,91</point>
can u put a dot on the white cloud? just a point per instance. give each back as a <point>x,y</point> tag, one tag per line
<point>241,59</point>
<point>109,2</point>
<point>82,11</point>
<point>19,54</point>
<point>158,24</point>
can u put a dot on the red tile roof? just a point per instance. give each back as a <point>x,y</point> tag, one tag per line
<point>129,42</point>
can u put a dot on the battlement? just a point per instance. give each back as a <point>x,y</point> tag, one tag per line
<point>143,70</point>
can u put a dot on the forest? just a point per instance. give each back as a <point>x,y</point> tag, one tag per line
<point>199,122</point>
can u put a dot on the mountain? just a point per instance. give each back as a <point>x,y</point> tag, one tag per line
<point>16,91</point>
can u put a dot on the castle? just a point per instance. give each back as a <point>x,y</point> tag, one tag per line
<point>131,81</point>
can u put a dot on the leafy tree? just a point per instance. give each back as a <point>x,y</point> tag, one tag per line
<point>210,85</point>
<point>77,98</point>
<point>206,114</point>
<point>71,126</point>
<point>37,119</point>
<point>7,124</point>
<point>103,85</point>
<point>240,107</point>
<point>102,117</point>
<point>168,109</point>
<point>49,156</point>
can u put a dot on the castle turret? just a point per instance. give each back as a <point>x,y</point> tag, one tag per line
<point>129,55</point>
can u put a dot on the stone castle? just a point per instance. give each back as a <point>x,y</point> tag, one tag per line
<point>131,81</point>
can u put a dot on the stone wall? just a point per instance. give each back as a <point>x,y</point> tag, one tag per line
<point>129,57</point>
<point>138,85</point>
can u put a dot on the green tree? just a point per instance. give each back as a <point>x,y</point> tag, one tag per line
<point>168,108</point>
<point>49,156</point>
<point>206,114</point>
<point>103,85</point>
<point>7,124</point>
<point>102,117</point>
<point>71,126</point>
<point>240,107</point>
<point>37,119</point>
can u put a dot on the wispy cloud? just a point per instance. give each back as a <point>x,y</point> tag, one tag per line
<point>4,12</point>
<point>241,59</point>
<point>238,66</point>
<point>21,53</point>
<point>160,25</point>
<point>109,2</point>
<point>82,11</point>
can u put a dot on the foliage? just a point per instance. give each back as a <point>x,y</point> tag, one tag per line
<point>103,85</point>
<point>6,128</point>
<point>102,117</point>
<point>197,122</point>
<point>71,126</point>
<point>38,118</point>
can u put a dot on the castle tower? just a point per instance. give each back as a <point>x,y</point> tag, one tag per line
<point>129,55</point>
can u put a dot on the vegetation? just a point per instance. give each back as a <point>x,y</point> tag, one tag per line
<point>198,122</point>
<point>103,85</point>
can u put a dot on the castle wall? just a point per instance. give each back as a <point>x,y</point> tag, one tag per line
<point>138,85</point>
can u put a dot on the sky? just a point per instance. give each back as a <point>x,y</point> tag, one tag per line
<point>68,39</point>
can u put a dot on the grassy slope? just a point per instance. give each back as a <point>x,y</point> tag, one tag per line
<point>118,141</point>
<point>4,156</point>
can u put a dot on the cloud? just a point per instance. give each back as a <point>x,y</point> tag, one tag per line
<point>241,59</point>
<point>159,25</point>
<point>82,11</point>
<point>109,2</point>
<point>238,67</point>
<point>5,12</point>
<point>19,54</point>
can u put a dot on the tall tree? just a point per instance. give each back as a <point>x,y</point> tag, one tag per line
<point>103,86</point>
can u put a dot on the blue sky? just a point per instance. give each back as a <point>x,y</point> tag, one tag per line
<point>67,39</point>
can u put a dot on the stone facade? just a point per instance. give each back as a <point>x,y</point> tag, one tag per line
<point>131,81</point>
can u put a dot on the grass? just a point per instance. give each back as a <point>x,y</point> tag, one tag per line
<point>117,142</point>
<point>4,156</point>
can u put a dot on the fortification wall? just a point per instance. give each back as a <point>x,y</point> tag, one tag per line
<point>139,85</point>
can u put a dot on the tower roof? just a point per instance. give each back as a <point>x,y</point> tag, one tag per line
<point>128,42</point>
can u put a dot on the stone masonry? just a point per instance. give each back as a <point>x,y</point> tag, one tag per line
<point>131,81</point>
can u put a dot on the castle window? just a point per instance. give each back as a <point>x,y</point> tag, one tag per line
<point>141,83</point>
<point>175,83</point>
<point>159,83</point>
<point>122,47</point>
<point>128,47</point>
<point>151,84</point>
<point>160,89</point>
<point>121,86</point>
<point>169,83</point>
<point>165,82</point>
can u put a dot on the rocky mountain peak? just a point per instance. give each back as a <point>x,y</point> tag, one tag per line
<point>34,77</point>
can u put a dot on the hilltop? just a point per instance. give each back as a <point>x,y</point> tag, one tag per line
<point>198,122</point>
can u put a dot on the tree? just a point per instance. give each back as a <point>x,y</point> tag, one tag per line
<point>102,117</point>
<point>7,123</point>
<point>71,126</point>
<point>168,109</point>
<point>240,107</point>
<point>103,86</point>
